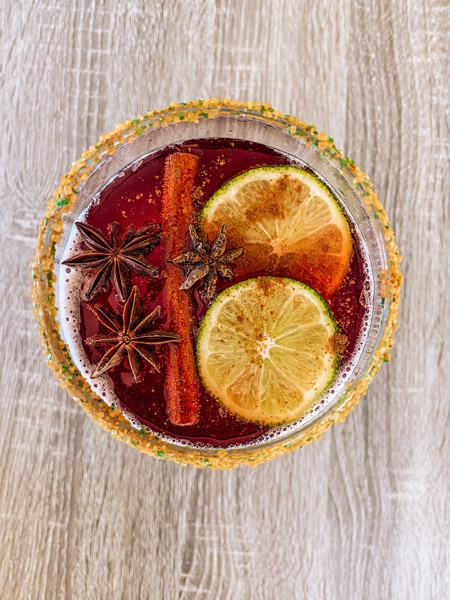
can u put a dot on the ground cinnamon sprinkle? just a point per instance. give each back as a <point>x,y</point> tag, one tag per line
<point>265,284</point>
<point>268,200</point>
<point>339,343</point>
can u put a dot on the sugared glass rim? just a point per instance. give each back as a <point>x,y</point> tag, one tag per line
<point>45,282</point>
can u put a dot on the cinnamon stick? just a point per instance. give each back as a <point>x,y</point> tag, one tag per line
<point>183,387</point>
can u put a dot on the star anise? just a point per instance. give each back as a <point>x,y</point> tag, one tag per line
<point>131,335</point>
<point>115,258</point>
<point>207,261</point>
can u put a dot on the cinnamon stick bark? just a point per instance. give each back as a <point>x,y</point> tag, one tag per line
<point>183,387</point>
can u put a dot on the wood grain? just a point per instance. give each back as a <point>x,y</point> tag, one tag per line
<point>364,512</point>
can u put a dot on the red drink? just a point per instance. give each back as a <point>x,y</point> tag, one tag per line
<point>134,198</point>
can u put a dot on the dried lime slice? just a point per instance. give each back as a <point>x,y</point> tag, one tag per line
<point>265,349</point>
<point>287,221</point>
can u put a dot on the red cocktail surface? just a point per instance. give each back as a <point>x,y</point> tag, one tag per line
<point>134,198</point>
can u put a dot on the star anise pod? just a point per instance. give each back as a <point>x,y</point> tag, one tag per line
<point>207,261</point>
<point>131,335</point>
<point>116,258</point>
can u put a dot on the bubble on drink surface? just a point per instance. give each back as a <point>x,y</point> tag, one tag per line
<point>136,165</point>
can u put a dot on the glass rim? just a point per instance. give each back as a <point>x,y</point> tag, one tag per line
<point>74,184</point>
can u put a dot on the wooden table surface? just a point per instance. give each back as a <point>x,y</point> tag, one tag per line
<point>364,513</point>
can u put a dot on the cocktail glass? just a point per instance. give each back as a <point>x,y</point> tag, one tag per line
<point>256,122</point>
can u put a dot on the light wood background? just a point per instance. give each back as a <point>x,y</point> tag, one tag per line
<point>365,512</point>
